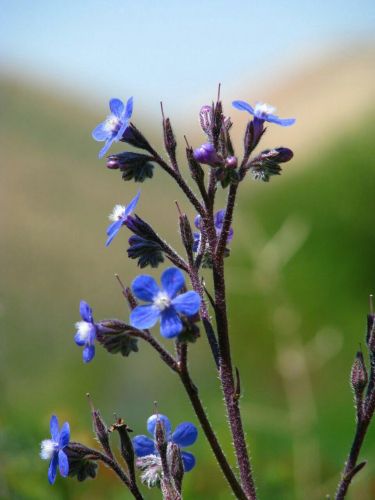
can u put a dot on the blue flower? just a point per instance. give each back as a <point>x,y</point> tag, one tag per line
<point>218,221</point>
<point>184,435</point>
<point>263,112</point>
<point>86,332</point>
<point>114,126</point>
<point>165,304</point>
<point>119,216</point>
<point>52,449</point>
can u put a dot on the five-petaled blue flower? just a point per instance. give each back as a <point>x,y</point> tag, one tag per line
<point>185,434</point>
<point>119,216</point>
<point>114,126</point>
<point>165,304</point>
<point>218,221</point>
<point>263,112</point>
<point>52,449</point>
<point>86,332</point>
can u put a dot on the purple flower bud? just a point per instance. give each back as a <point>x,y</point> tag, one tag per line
<point>231,162</point>
<point>207,154</point>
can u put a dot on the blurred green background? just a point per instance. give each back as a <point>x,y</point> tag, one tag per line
<point>299,275</point>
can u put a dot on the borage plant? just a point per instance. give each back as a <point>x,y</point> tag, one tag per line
<point>161,457</point>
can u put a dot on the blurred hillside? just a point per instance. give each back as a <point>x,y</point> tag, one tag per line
<point>298,280</point>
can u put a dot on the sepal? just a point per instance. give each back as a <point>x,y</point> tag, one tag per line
<point>80,465</point>
<point>114,336</point>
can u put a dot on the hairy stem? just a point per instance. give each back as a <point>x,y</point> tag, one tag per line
<point>192,392</point>
<point>350,464</point>
<point>228,384</point>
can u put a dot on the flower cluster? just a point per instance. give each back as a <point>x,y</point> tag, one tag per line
<point>162,457</point>
<point>184,435</point>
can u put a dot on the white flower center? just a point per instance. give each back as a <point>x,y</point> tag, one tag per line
<point>117,213</point>
<point>162,301</point>
<point>263,109</point>
<point>48,448</point>
<point>111,123</point>
<point>84,331</point>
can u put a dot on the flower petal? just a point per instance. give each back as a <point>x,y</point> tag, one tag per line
<point>187,303</point>
<point>143,446</point>
<point>219,219</point>
<point>170,324</point>
<point>172,281</point>
<point>63,464</point>
<point>145,287</point>
<point>284,122</point>
<point>198,221</point>
<point>106,146</point>
<point>117,107</point>
<point>129,108</point>
<point>144,317</point>
<point>64,435</point>
<point>54,428</point>
<point>151,424</point>
<point>100,132</point>
<point>52,469</point>
<point>129,209</point>
<point>185,434</point>
<point>112,231</point>
<point>188,460</point>
<point>243,106</point>
<point>85,311</point>
<point>88,353</point>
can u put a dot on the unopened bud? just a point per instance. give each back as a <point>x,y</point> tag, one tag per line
<point>253,134</point>
<point>100,429</point>
<point>176,464</point>
<point>127,450</point>
<point>169,138</point>
<point>370,337</point>
<point>358,377</point>
<point>160,434</point>
<point>231,162</point>
<point>186,234</point>
<point>196,170</point>
<point>208,155</point>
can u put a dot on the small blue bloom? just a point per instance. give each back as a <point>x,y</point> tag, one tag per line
<point>52,449</point>
<point>114,126</point>
<point>86,332</point>
<point>263,112</point>
<point>184,435</point>
<point>218,221</point>
<point>165,304</point>
<point>119,216</point>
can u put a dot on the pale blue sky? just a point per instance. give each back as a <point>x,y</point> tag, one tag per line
<point>171,50</point>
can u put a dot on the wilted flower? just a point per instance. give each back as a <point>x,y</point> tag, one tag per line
<point>263,112</point>
<point>165,305</point>
<point>184,435</point>
<point>119,216</point>
<point>52,449</point>
<point>114,126</point>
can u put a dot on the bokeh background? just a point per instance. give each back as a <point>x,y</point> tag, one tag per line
<point>302,263</point>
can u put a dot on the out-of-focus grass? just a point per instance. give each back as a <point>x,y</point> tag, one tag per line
<point>297,302</point>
